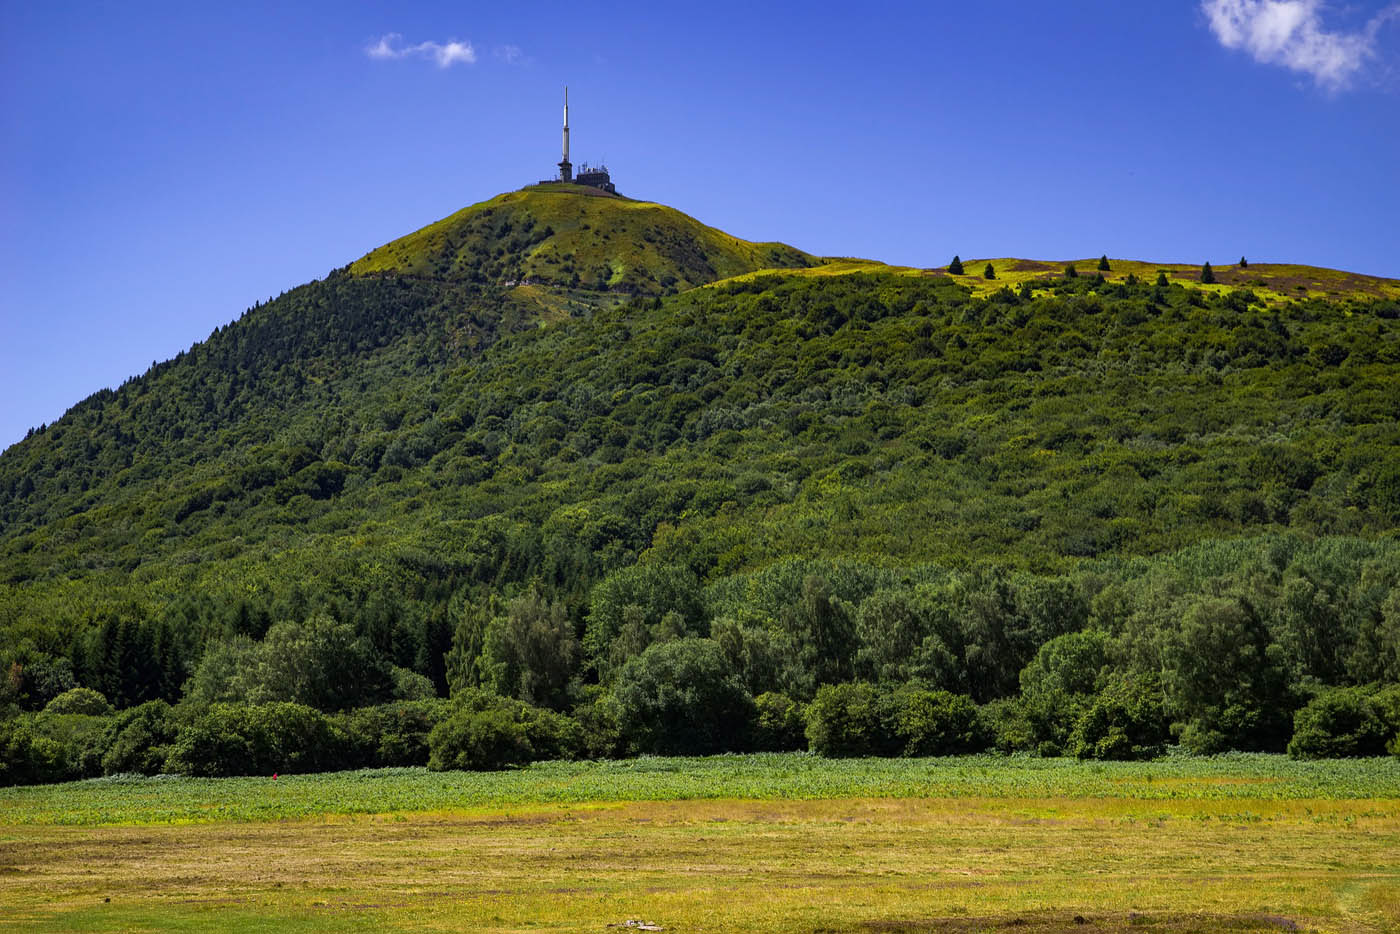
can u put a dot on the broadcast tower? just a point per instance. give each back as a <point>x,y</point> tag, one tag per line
<point>566,168</point>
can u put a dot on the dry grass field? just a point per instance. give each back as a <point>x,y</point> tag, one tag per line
<point>1182,860</point>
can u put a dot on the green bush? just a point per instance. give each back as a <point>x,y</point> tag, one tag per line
<point>938,723</point>
<point>479,741</point>
<point>851,719</point>
<point>780,724</point>
<point>486,731</point>
<point>1008,726</point>
<point>409,685</point>
<point>683,698</point>
<point>233,739</point>
<point>1059,683</point>
<point>79,700</point>
<point>1386,704</point>
<point>393,734</point>
<point>79,736</point>
<point>1338,723</point>
<point>600,737</point>
<point>139,739</point>
<point>27,757</point>
<point>1124,721</point>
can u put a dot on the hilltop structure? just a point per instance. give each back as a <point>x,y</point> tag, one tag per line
<point>594,176</point>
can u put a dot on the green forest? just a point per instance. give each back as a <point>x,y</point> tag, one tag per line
<point>440,508</point>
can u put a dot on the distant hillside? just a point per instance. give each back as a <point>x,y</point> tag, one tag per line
<point>506,406</point>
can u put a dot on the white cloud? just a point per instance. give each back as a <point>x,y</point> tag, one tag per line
<point>1291,33</point>
<point>510,54</point>
<point>445,54</point>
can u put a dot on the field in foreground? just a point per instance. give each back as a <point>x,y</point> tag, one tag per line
<point>770,843</point>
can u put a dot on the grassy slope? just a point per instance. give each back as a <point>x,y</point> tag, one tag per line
<point>605,240</point>
<point>1271,282</point>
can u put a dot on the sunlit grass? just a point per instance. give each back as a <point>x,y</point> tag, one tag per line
<point>1273,283</point>
<point>1238,778</point>
<point>773,843</point>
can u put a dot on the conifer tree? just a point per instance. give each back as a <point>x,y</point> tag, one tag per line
<point>989,272</point>
<point>1161,279</point>
<point>1071,272</point>
<point>1244,263</point>
<point>955,268</point>
<point>1103,263</point>
<point>1207,274</point>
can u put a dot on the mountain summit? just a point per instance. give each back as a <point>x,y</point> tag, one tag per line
<point>573,236</point>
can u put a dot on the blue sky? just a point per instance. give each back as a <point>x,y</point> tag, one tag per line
<point>166,165</point>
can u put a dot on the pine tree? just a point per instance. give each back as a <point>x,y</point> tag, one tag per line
<point>1103,263</point>
<point>989,272</point>
<point>1161,279</point>
<point>1207,274</point>
<point>1071,272</point>
<point>955,268</point>
<point>1244,263</point>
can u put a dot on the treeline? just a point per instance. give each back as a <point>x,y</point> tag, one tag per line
<point>1266,644</point>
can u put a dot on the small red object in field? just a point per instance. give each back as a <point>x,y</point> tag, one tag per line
<point>274,774</point>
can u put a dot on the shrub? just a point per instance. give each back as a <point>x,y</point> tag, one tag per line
<point>989,272</point>
<point>955,268</point>
<point>1338,723</point>
<point>1007,725</point>
<point>28,758</point>
<point>479,740</point>
<point>780,724</point>
<point>393,734</point>
<point>139,739</point>
<point>1124,721</point>
<point>1207,274</point>
<point>937,723</point>
<point>79,700</point>
<point>1059,683</point>
<point>1103,263</point>
<point>600,736</point>
<point>485,731</point>
<point>851,719</point>
<point>80,740</point>
<point>1386,704</point>
<point>231,739</point>
<point>683,698</point>
<point>409,685</point>
<point>1071,272</point>
<point>1244,263</point>
<point>1161,279</point>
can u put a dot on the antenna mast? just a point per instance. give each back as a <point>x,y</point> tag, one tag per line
<point>566,169</point>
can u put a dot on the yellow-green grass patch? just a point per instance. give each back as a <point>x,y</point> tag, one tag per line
<point>925,864</point>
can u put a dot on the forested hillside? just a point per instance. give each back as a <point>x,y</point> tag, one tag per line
<point>870,512</point>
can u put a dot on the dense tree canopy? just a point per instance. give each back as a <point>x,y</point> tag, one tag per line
<point>1095,510</point>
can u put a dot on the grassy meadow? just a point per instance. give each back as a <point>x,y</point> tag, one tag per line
<point>732,843</point>
<point>1272,283</point>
